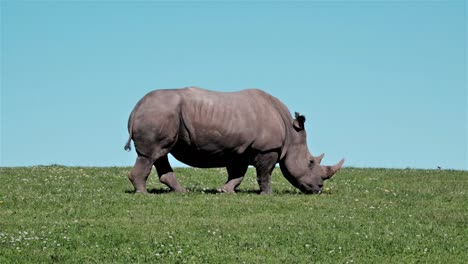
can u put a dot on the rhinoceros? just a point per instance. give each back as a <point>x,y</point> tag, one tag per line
<point>208,129</point>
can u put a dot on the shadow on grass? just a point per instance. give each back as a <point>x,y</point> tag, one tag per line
<point>192,190</point>
<point>215,191</point>
<point>158,191</point>
<point>152,191</point>
<point>247,191</point>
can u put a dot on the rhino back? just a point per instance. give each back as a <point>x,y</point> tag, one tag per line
<point>237,120</point>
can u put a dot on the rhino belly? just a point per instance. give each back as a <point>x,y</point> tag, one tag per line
<point>206,156</point>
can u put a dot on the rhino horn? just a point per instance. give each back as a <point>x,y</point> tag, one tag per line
<point>331,170</point>
<point>319,158</point>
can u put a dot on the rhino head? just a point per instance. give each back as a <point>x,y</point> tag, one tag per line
<point>299,167</point>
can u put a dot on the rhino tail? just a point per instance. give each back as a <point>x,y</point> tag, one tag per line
<point>130,130</point>
<point>127,146</point>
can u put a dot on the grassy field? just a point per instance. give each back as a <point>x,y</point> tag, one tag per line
<point>90,215</point>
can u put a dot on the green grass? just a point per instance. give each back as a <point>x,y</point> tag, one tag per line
<point>89,215</point>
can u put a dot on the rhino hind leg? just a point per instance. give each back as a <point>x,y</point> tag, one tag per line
<point>166,174</point>
<point>140,173</point>
<point>236,174</point>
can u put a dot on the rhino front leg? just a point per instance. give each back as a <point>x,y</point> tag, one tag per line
<point>236,174</point>
<point>140,173</point>
<point>166,174</point>
<point>265,163</point>
<point>264,180</point>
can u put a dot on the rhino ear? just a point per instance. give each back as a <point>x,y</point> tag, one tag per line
<point>299,121</point>
<point>319,158</point>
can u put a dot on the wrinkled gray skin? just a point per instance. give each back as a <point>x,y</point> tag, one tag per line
<point>209,129</point>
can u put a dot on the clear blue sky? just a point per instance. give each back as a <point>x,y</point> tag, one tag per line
<point>382,83</point>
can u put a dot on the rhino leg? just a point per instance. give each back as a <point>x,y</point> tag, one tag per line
<point>140,173</point>
<point>264,164</point>
<point>166,174</point>
<point>236,174</point>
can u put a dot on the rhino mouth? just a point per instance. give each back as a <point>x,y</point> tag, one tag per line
<point>308,190</point>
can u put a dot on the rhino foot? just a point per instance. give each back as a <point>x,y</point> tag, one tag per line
<point>226,190</point>
<point>181,190</point>
<point>170,180</point>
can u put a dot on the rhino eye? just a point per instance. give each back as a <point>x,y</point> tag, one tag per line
<point>311,163</point>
